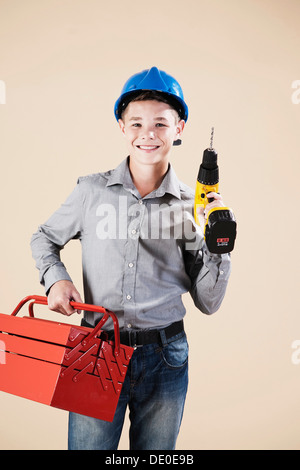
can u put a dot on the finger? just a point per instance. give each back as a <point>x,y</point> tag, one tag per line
<point>68,309</point>
<point>213,195</point>
<point>65,308</point>
<point>200,217</point>
<point>200,214</point>
<point>200,210</point>
<point>213,205</point>
<point>61,307</point>
<point>209,207</point>
<point>77,298</point>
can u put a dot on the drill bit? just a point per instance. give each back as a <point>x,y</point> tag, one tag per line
<point>212,137</point>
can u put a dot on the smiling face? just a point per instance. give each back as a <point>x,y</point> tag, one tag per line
<point>150,128</point>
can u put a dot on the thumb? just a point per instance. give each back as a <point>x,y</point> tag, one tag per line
<point>201,217</point>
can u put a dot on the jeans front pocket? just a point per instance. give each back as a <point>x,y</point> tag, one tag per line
<point>175,354</point>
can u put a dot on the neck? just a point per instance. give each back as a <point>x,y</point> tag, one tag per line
<point>147,178</point>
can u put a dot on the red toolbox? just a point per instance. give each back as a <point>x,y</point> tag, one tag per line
<point>73,368</point>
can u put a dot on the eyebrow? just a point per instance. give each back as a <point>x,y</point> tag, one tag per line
<point>140,119</point>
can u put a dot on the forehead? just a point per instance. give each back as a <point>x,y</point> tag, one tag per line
<point>149,109</point>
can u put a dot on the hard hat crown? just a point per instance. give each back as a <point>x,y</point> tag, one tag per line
<point>154,80</point>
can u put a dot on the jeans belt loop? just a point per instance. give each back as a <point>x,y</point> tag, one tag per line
<point>163,338</point>
<point>132,339</point>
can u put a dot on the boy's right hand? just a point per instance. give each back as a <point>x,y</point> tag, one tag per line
<point>60,295</point>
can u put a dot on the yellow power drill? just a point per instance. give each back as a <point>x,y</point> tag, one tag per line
<point>220,227</point>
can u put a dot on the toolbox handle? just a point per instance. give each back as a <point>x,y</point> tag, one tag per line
<point>38,299</point>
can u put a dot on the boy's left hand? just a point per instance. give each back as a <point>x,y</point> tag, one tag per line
<point>203,212</point>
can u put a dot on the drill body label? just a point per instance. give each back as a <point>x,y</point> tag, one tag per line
<point>222,241</point>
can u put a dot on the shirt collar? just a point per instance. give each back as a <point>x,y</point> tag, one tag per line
<point>121,175</point>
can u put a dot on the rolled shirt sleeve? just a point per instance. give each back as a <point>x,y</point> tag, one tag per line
<point>210,284</point>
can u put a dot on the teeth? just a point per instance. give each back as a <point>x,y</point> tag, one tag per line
<point>148,147</point>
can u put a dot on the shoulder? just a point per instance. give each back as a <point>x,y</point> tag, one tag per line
<point>98,180</point>
<point>187,193</point>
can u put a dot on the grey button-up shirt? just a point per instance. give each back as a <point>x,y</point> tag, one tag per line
<point>139,255</point>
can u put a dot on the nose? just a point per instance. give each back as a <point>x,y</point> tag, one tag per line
<point>148,134</point>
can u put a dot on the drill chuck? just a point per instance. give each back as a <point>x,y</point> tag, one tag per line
<point>209,170</point>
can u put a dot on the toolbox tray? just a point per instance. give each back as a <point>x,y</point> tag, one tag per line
<point>70,367</point>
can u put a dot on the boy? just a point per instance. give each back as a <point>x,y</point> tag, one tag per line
<point>141,250</point>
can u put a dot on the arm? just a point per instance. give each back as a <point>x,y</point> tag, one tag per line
<point>65,224</point>
<point>209,272</point>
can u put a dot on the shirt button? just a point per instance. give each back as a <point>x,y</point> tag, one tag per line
<point>128,297</point>
<point>129,325</point>
<point>140,201</point>
<point>130,265</point>
<point>133,232</point>
<point>221,272</point>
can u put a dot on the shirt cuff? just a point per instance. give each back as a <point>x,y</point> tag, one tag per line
<point>54,274</point>
<point>219,265</point>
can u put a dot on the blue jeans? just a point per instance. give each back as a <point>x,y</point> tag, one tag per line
<point>154,389</point>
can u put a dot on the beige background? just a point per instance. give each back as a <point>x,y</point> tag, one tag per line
<point>64,63</point>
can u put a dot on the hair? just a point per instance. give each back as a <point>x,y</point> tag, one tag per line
<point>149,95</point>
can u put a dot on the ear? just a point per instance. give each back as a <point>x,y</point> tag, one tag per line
<point>179,128</point>
<point>122,126</point>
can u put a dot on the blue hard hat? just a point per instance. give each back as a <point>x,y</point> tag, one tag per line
<point>154,80</point>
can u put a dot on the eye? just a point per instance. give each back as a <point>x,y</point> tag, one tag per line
<point>160,124</point>
<point>136,124</point>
